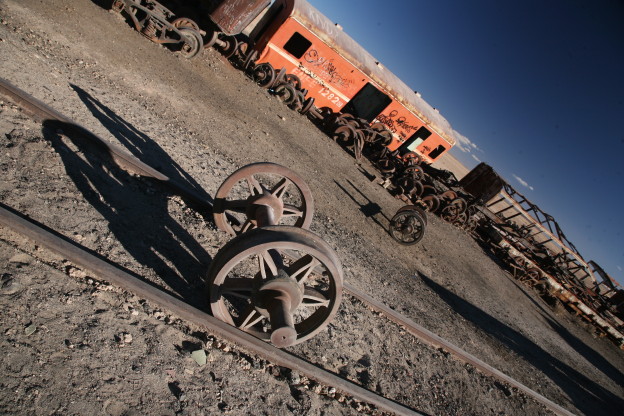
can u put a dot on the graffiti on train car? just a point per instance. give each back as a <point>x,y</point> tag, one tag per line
<point>325,90</point>
<point>326,67</point>
<point>395,123</point>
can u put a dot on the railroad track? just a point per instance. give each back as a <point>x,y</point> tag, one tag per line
<point>110,273</point>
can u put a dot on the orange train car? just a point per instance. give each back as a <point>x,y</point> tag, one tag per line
<point>340,74</point>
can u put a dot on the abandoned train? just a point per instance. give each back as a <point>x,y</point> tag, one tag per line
<point>332,70</point>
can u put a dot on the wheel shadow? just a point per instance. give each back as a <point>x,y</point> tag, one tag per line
<point>136,209</point>
<point>370,209</point>
<point>588,396</point>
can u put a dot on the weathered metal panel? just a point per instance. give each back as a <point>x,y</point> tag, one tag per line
<point>349,49</point>
<point>232,16</point>
<point>482,182</point>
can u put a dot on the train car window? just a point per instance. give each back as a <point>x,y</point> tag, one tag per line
<point>437,151</point>
<point>367,103</point>
<point>297,45</point>
<point>415,140</point>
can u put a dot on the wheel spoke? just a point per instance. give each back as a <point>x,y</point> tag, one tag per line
<point>301,269</point>
<point>267,265</point>
<point>248,225</point>
<point>254,186</point>
<point>237,287</point>
<point>314,298</point>
<point>280,188</point>
<point>292,211</point>
<point>248,318</point>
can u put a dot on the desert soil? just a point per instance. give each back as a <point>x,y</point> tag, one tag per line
<point>72,344</point>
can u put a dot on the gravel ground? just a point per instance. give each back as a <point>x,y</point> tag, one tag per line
<point>74,345</point>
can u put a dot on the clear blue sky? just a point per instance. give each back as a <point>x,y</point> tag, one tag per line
<point>536,88</point>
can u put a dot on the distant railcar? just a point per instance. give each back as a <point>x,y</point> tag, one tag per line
<point>333,70</point>
<point>342,75</point>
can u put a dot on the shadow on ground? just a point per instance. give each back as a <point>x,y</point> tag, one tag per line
<point>369,208</point>
<point>587,396</point>
<point>136,209</point>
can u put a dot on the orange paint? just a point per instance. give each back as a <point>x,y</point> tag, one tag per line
<point>333,81</point>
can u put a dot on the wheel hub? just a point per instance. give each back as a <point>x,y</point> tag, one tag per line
<point>265,209</point>
<point>285,288</point>
<point>278,299</point>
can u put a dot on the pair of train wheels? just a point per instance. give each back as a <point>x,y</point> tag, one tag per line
<point>279,282</point>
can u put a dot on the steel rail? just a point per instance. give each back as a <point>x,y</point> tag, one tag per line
<point>438,342</point>
<point>113,275</point>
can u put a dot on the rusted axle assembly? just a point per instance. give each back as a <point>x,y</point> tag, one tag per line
<point>155,22</point>
<point>282,282</point>
<point>408,225</point>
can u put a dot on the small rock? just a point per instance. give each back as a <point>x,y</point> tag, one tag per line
<point>20,259</point>
<point>294,378</point>
<point>76,273</point>
<point>199,356</point>
<point>30,329</point>
<point>8,285</point>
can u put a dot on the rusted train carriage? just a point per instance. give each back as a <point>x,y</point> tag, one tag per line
<point>343,76</point>
<point>331,67</point>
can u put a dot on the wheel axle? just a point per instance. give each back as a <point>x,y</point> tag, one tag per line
<point>281,283</point>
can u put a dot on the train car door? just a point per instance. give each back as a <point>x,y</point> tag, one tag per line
<point>368,103</point>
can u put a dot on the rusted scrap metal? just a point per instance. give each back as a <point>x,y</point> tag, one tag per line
<point>280,283</point>
<point>110,273</point>
<point>482,182</point>
<point>535,261</point>
<point>156,22</point>
<point>408,225</point>
<point>232,16</point>
<point>282,299</point>
<point>567,291</point>
<point>547,255</point>
<point>609,287</point>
